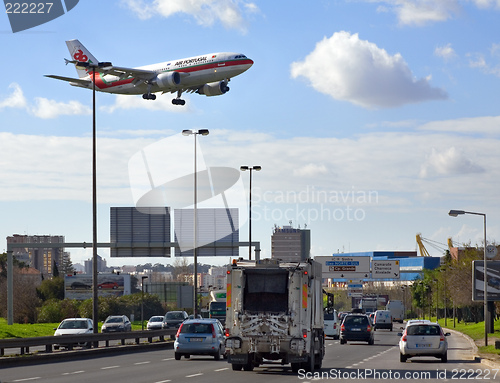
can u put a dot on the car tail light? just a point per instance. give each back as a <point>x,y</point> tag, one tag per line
<point>179,331</point>
<point>334,326</point>
<point>368,328</point>
<point>214,335</point>
<point>342,327</point>
<point>304,333</point>
<point>226,332</point>
<point>442,337</point>
<point>404,337</point>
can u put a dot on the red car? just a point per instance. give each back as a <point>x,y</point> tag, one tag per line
<point>108,285</point>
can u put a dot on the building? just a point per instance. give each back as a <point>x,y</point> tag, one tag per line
<point>101,265</point>
<point>41,259</point>
<point>290,245</point>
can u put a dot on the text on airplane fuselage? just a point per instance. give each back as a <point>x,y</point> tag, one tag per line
<point>191,61</point>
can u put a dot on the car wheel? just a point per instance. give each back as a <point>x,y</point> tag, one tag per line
<point>177,356</point>
<point>342,341</point>
<point>371,342</point>
<point>217,354</point>
<point>444,358</point>
<point>402,358</point>
<point>295,367</point>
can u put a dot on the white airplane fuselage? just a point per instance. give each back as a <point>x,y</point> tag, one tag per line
<point>194,71</point>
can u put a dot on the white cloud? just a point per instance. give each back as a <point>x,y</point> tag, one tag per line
<point>354,70</point>
<point>446,52</point>
<point>45,108</point>
<point>162,102</point>
<point>488,65</point>
<point>447,163</point>
<point>15,100</point>
<point>486,125</point>
<point>231,13</point>
<point>310,170</point>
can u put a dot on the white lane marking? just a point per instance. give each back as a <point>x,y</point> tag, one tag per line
<point>109,367</point>
<point>222,369</point>
<point>73,373</point>
<point>165,360</point>
<point>139,363</point>
<point>26,379</point>
<point>163,381</point>
<point>192,376</point>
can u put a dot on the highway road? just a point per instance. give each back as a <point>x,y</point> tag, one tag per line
<point>351,362</point>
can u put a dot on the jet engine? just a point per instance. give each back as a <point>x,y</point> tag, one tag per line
<point>214,88</point>
<point>166,79</point>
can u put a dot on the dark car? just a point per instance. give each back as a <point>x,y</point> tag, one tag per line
<point>80,285</point>
<point>173,319</point>
<point>356,327</point>
<point>116,323</point>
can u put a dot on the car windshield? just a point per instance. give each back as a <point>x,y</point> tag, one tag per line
<point>355,321</point>
<point>114,320</point>
<point>73,324</point>
<point>197,328</point>
<point>175,316</point>
<point>156,319</point>
<point>423,330</point>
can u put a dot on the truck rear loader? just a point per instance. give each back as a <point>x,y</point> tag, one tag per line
<point>274,312</point>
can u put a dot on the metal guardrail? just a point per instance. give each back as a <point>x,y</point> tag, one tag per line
<point>68,341</point>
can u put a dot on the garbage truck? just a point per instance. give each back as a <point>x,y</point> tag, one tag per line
<point>274,312</point>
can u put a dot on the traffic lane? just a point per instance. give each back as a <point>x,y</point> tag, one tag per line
<point>147,367</point>
<point>384,364</point>
<point>160,366</point>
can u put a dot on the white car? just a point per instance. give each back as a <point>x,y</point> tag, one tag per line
<point>74,326</point>
<point>423,339</point>
<point>155,322</point>
<point>332,325</point>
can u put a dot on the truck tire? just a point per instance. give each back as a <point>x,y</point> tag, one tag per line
<point>236,367</point>
<point>248,366</point>
<point>295,367</point>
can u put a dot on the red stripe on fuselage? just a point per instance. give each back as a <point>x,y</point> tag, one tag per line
<point>102,84</point>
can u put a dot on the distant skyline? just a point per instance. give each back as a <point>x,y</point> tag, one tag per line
<point>371,119</point>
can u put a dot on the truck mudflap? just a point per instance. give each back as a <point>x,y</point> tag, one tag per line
<point>238,358</point>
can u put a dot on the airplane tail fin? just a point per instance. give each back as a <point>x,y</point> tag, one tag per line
<point>79,53</point>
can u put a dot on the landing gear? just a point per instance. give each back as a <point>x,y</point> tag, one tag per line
<point>149,96</point>
<point>178,101</point>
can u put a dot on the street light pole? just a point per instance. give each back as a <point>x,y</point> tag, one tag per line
<point>94,67</point>
<point>188,132</point>
<point>455,213</point>
<point>142,301</point>
<point>250,168</point>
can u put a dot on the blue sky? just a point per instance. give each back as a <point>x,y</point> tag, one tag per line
<point>371,119</point>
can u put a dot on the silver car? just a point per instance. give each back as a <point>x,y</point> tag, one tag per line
<point>199,337</point>
<point>115,323</point>
<point>423,339</point>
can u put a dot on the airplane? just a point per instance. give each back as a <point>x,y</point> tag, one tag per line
<point>206,74</point>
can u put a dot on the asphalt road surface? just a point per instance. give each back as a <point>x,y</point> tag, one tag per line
<point>352,362</point>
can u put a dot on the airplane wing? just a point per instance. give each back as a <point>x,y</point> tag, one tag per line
<point>78,81</point>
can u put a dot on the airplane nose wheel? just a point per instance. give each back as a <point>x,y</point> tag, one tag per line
<point>178,101</point>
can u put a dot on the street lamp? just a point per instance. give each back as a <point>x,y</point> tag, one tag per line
<point>142,301</point>
<point>250,168</point>
<point>188,132</point>
<point>455,213</point>
<point>97,67</point>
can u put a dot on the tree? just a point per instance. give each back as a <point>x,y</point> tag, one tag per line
<point>51,289</point>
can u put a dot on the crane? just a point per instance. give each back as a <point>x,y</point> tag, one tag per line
<point>437,245</point>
